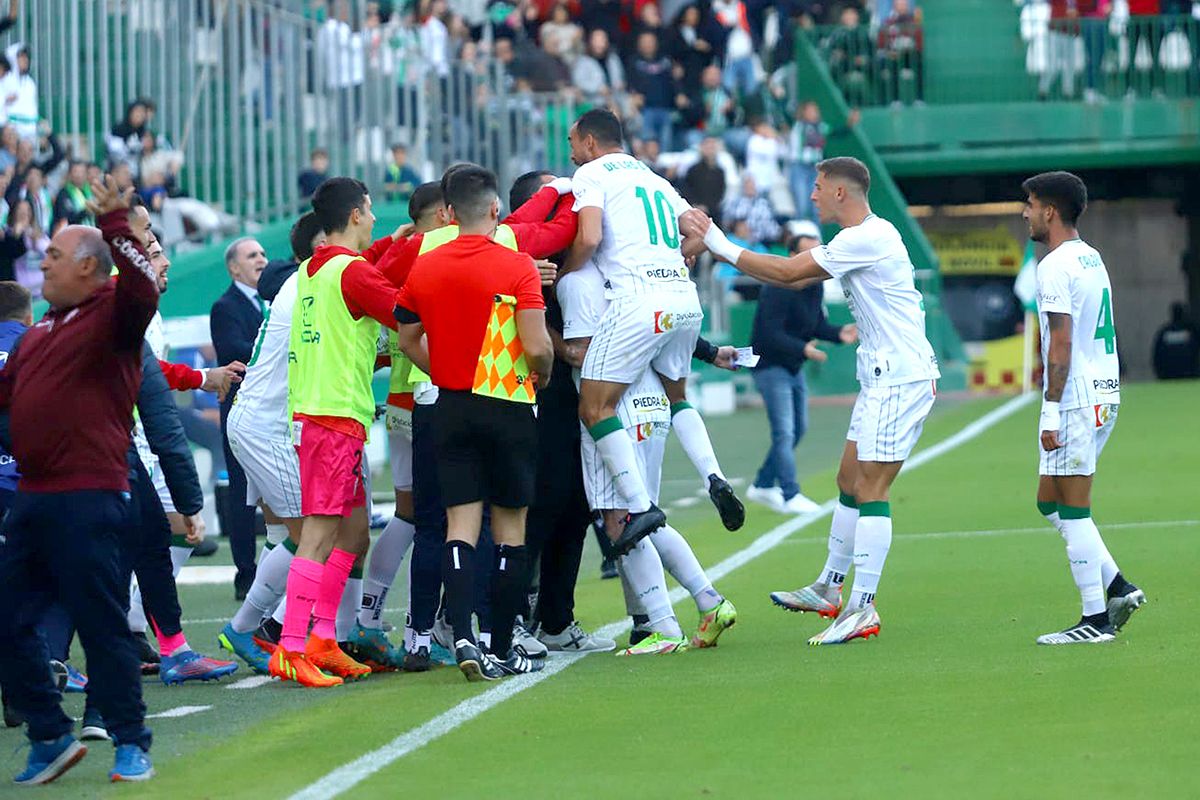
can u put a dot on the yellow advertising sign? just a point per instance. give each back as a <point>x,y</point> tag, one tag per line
<point>990,251</point>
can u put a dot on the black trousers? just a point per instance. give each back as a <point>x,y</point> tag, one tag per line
<point>237,518</point>
<point>559,518</point>
<point>66,547</point>
<point>429,540</point>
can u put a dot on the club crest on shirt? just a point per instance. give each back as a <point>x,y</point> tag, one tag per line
<point>663,321</point>
<point>644,431</point>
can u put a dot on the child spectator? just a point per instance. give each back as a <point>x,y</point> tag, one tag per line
<point>400,179</point>
<point>806,147</point>
<point>318,170</point>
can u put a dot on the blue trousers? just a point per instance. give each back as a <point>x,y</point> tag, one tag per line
<point>66,547</point>
<point>786,398</point>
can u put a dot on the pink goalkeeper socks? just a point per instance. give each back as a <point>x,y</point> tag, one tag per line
<point>329,596</point>
<point>303,589</point>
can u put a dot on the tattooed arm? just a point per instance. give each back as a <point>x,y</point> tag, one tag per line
<point>1058,367</point>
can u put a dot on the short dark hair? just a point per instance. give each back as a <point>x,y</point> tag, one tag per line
<point>335,199</point>
<point>602,125</point>
<point>423,198</point>
<point>399,146</point>
<point>16,302</point>
<point>450,170</point>
<point>470,191</point>
<point>1065,191</point>
<point>302,234</point>
<point>318,151</point>
<point>525,187</point>
<point>848,169</point>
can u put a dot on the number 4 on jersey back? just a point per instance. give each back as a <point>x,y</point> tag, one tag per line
<point>1104,324</point>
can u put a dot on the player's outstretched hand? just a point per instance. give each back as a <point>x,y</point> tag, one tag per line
<point>548,271</point>
<point>1050,441</point>
<point>814,353</point>
<point>694,222</point>
<point>848,334</point>
<point>726,358</point>
<point>219,379</point>
<point>404,231</point>
<point>195,529</point>
<point>561,185</point>
<point>107,196</point>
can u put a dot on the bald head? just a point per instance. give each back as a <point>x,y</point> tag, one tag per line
<point>77,263</point>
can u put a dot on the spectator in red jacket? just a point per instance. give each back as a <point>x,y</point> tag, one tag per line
<point>1144,30</point>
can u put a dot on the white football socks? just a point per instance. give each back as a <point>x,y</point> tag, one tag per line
<point>387,554</point>
<point>267,591</point>
<point>616,449</point>
<point>1108,565</point>
<point>1085,552</point>
<point>682,564</point>
<point>347,609</point>
<point>842,528</point>
<point>693,435</point>
<point>643,567</point>
<point>872,540</point>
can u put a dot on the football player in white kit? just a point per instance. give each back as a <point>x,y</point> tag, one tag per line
<point>645,415</point>
<point>1082,394</point>
<point>629,225</point>
<point>897,371</point>
<point>261,440</point>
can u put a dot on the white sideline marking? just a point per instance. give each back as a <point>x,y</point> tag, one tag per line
<point>349,775</point>
<point>197,575</point>
<point>253,682</point>
<point>223,620</point>
<point>973,534</point>
<point>178,711</point>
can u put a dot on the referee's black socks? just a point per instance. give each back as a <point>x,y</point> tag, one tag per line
<point>458,572</point>
<point>510,579</point>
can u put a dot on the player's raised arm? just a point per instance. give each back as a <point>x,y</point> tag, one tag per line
<point>794,272</point>
<point>587,238</point>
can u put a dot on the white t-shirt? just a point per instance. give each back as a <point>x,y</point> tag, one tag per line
<point>877,278</point>
<point>262,397</point>
<point>156,337</point>
<point>639,249</point>
<point>1072,280</point>
<point>581,297</point>
<point>763,154</point>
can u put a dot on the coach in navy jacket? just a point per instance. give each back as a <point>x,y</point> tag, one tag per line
<point>233,323</point>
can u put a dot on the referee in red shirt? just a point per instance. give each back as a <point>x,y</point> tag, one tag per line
<point>480,307</point>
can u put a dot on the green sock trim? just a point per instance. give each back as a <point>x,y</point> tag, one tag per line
<point>1046,509</point>
<point>356,572</point>
<point>848,500</point>
<point>875,508</point>
<point>682,405</point>
<point>268,546</point>
<point>179,540</point>
<point>604,427</point>
<point>1074,512</point>
<point>289,545</point>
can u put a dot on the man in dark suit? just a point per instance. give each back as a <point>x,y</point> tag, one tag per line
<point>234,322</point>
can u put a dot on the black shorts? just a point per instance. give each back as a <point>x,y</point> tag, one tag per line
<point>486,450</point>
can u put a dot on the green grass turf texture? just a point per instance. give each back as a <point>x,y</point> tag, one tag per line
<point>952,700</point>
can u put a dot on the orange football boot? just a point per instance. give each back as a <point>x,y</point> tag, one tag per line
<point>326,655</point>
<point>297,667</point>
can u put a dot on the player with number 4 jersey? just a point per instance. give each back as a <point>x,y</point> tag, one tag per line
<point>1082,383</point>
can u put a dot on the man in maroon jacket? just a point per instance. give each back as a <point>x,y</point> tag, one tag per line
<point>69,390</point>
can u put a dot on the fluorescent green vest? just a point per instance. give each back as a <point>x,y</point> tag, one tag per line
<point>331,356</point>
<point>437,238</point>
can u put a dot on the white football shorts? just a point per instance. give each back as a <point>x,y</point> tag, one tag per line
<point>1083,434</point>
<point>887,420</point>
<point>271,465</point>
<point>654,331</point>
<point>399,428</point>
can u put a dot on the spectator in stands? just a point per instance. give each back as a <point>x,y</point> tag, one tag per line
<point>314,176</point>
<point>806,147</point>
<point>741,66</point>
<point>1093,24</point>
<point>34,192</point>
<point>651,80</point>
<point>434,36</point>
<point>9,141</point>
<point>29,156</point>
<point>1063,36</point>
<point>649,20</point>
<point>704,182</point>
<point>72,199</point>
<point>1177,347</point>
<point>690,45</point>
<point>341,62</point>
<point>124,142</point>
<point>123,175</point>
<point>753,207</point>
<point>1140,29</point>
<point>602,15</point>
<point>765,151</point>
<point>718,111</point>
<point>598,73</point>
<point>27,264</point>
<point>851,57</point>
<point>12,241</point>
<point>400,179</point>
<point>900,45</point>
<point>560,37</point>
<point>21,105</point>
<point>786,324</point>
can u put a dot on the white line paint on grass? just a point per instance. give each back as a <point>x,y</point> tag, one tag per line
<point>199,576</point>
<point>349,775</point>
<point>253,682</point>
<point>178,711</point>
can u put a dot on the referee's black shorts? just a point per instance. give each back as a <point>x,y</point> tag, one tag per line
<point>486,450</point>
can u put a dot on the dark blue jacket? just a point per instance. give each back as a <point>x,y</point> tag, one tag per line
<point>164,431</point>
<point>10,332</point>
<point>233,323</point>
<point>785,321</point>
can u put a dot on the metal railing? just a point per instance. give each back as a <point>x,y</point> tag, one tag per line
<point>245,89</point>
<point>1088,59</point>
